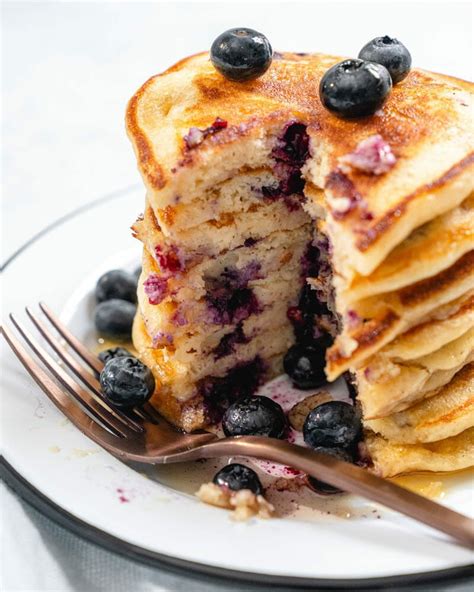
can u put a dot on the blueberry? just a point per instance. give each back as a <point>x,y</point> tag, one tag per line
<point>237,477</point>
<point>114,319</point>
<point>113,352</point>
<point>126,382</point>
<point>304,363</point>
<point>390,53</point>
<point>254,416</point>
<point>241,54</point>
<point>116,284</point>
<point>320,486</point>
<point>332,424</point>
<point>355,88</point>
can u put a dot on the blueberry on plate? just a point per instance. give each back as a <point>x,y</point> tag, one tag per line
<point>126,382</point>
<point>332,424</point>
<point>254,415</point>
<point>236,477</point>
<point>390,53</point>
<point>116,284</point>
<point>355,88</point>
<point>304,363</point>
<point>241,54</point>
<point>320,486</point>
<point>114,352</point>
<point>114,319</point>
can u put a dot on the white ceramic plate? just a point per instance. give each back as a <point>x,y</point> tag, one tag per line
<point>66,475</point>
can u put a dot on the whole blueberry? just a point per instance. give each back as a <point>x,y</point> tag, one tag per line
<point>126,382</point>
<point>254,416</point>
<point>332,424</point>
<point>114,352</point>
<point>241,54</point>
<point>320,486</point>
<point>116,284</point>
<point>114,319</point>
<point>304,363</point>
<point>236,476</point>
<point>355,88</point>
<point>390,53</point>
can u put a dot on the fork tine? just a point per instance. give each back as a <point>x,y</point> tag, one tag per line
<point>90,401</point>
<point>84,375</point>
<point>56,395</point>
<point>88,357</point>
<point>147,412</point>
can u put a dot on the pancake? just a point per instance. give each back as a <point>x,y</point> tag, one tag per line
<point>258,233</point>
<point>429,250</point>
<point>427,119</point>
<point>451,454</point>
<point>385,387</point>
<point>446,412</point>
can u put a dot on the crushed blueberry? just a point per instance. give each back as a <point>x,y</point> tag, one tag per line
<point>290,153</point>
<point>228,342</point>
<point>344,196</point>
<point>236,477</point>
<point>254,416</point>
<point>126,382</point>
<point>228,296</point>
<point>196,136</point>
<point>372,155</point>
<point>170,260</point>
<point>156,288</point>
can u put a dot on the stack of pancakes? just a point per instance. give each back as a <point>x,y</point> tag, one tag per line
<point>250,200</point>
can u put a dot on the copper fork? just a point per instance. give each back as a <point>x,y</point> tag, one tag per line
<point>141,435</point>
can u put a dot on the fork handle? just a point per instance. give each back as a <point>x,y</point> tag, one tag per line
<point>347,477</point>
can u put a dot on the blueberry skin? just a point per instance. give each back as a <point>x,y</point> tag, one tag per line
<point>114,319</point>
<point>112,353</point>
<point>333,424</point>
<point>241,54</point>
<point>304,363</point>
<point>320,486</point>
<point>236,477</point>
<point>254,415</point>
<point>126,382</point>
<point>355,88</point>
<point>116,284</point>
<point>390,53</point>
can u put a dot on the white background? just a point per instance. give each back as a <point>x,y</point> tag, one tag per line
<point>68,69</point>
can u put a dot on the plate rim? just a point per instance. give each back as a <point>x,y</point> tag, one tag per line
<point>28,492</point>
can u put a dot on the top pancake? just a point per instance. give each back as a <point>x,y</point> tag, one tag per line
<point>427,120</point>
